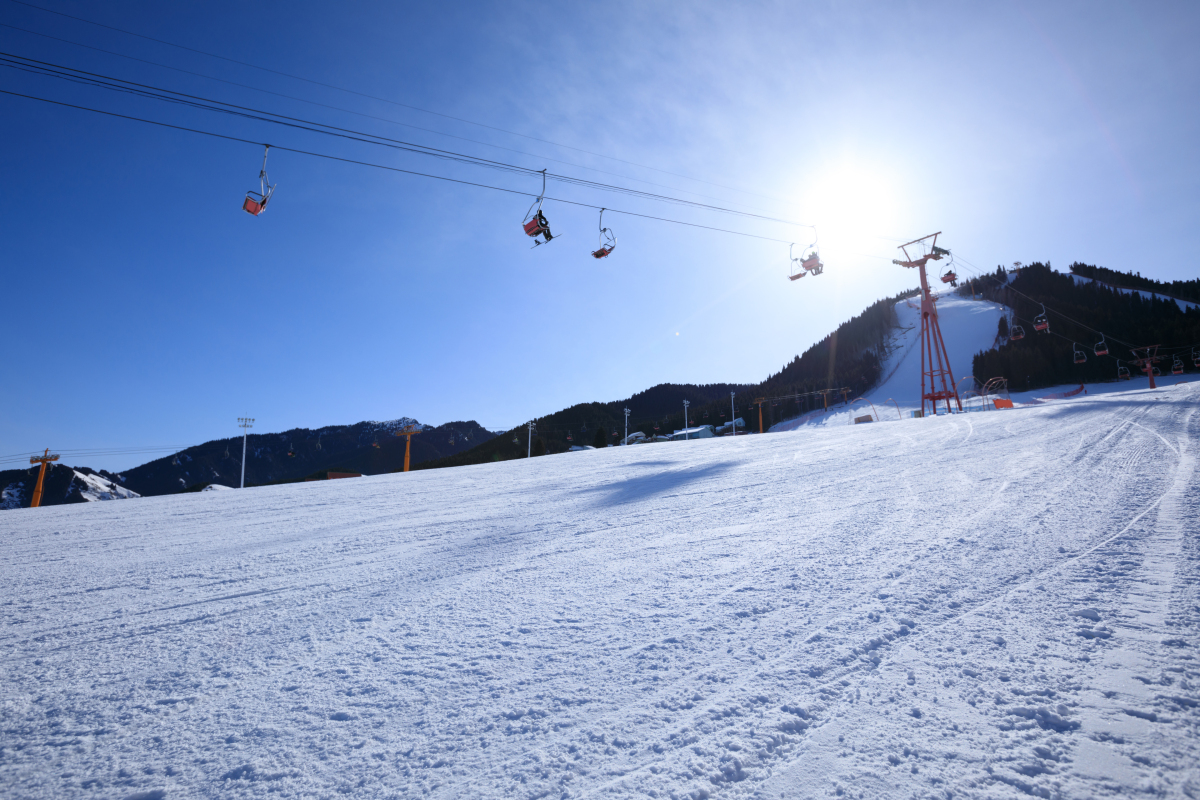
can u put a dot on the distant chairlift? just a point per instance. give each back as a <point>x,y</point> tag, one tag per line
<point>535,223</point>
<point>1177,366</point>
<point>1196,357</point>
<point>809,263</point>
<point>1041,323</point>
<point>1101,348</point>
<point>265,190</point>
<point>1122,372</point>
<point>608,240</point>
<point>1015,332</point>
<point>1080,356</point>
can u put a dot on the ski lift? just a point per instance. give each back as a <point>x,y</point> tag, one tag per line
<point>515,439</point>
<point>452,439</point>
<point>226,451</point>
<point>1041,323</point>
<point>1015,332</point>
<point>1156,372</point>
<point>291,451</point>
<point>1196,357</point>
<point>809,262</point>
<point>950,276</point>
<point>535,223</point>
<point>1122,372</point>
<point>608,240</point>
<point>375,443</point>
<point>318,447</point>
<point>1101,348</point>
<point>1177,366</point>
<point>1080,356</point>
<point>656,426</point>
<point>569,439</point>
<point>265,190</point>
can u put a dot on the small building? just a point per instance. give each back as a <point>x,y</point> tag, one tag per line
<point>728,427</point>
<point>699,432</point>
<point>637,437</point>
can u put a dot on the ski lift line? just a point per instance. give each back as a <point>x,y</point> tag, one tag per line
<point>360,113</point>
<point>398,104</point>
<point>218,106</point>
<point>390,169</point>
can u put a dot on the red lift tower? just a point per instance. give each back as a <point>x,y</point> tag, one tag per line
<point>1146,357</point>
<point>935,363</point>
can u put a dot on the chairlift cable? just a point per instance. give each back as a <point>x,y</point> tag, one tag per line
<point>390,169</point>
<point>395,103</point>
<point>195,101</point>
<point>365,115</point>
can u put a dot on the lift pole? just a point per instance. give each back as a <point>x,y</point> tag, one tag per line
<point>933,347</point>
<point>1145,357</point>
<point>760,401</point>
<point>407,432</point>
<point>245,423</point>
<point>43,459</point>
<point>685,408</point>
<point>626,439</point>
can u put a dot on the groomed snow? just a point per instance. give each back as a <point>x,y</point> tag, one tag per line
<point>978,606</point>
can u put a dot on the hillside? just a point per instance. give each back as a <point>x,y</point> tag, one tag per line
<point>852,356</point>
<point>1147,314</point>
<point>62,485</point>
<point>996,605</point>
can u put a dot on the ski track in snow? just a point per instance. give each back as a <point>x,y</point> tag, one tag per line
<point>1005,606</point>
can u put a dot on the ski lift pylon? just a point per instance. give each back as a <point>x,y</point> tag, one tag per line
<point>535,223</point>
<point>265,190</point>
<point>608,240</point>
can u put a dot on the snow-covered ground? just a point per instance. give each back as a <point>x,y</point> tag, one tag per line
<point>972,606</point>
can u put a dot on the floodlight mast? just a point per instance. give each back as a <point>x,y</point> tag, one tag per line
<point>685,424</point>
<point>933,347</point>
<point>625,441</point>
<point>244,423</point>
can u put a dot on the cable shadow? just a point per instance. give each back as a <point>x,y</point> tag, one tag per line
<point>645,487</point>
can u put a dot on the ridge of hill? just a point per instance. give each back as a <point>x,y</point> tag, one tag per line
<point>368,447</point>
<point>852,356</point>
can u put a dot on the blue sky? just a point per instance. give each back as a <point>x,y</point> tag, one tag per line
<point>143,307</point>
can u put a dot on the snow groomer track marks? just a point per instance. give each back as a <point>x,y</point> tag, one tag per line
<point>1006,608</point>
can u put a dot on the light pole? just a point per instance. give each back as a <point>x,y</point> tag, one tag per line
<point>685,427</point>
<point>532,430</point>
<point>732,414</point>
<point>626,439</point>
<point>244,423</point>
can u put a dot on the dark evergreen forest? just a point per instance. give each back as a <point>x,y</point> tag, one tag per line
<point>1075,312</point>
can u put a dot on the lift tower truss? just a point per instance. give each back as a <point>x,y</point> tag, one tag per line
<point>935,363</point>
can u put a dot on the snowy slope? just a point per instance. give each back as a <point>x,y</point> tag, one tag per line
<point>982,606</point>
<point>93,487</point>
<point>968,326</point>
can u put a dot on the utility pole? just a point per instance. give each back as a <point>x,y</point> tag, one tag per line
<point>43,459</point>
<point>532,431</point>
<point>407,432</point>
<point>626,439</point>
<point>732,414</point>
<point>685,424</point>
<point>245,423</point>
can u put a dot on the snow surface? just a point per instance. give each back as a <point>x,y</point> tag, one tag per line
<point>974,606</point>
<point>215,487</point>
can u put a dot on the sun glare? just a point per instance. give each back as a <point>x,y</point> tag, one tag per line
<point>855,207</point>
